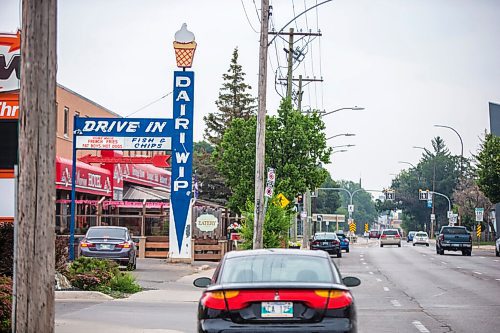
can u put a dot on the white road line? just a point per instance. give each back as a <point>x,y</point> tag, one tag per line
<point>395,302</point>
<point>478,273</point>
<point>432,258</point>
<point>482,257</point>
<point>386,289</point>
<point>496,260</point>
<point>370,273</point>
<point>497,279</point>
<point>378,280</point>
<point>459,267</point>
<point>362,259</point>
<point>364,263</point>
<point>444,263</point>
<point>420,326</point>
<point>425,255</point>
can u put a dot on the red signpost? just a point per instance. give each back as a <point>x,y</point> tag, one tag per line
<point>159,161</point>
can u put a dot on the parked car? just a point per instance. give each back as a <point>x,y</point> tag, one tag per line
<point>410,236</point>
<point>390,237</point>
<point>497,247</point>
<point>112,243</point>
<point>276,290</point>
<point>421,237</point>
<point>454,239</point>
<point>344,241</point>
<point>326,241</point>
<point>374,234</point>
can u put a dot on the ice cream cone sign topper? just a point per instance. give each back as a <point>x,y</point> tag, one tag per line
<point>184,46</point>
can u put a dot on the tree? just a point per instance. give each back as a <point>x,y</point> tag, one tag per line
<point>467,196</point>
<point>234,102</point>
<point>295,147</point>
<point>211,184</point>
<point>488,167</point>
<point>327,201</point>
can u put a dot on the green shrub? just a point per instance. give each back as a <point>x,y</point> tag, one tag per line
<point>101,275</point>
<point>5,303</point>
<point>276,226</point>
<point>6,249</point>
<point>125,283</point>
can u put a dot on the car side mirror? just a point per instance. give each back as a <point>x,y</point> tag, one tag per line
<point>351,281</point>
<point>202,282</point>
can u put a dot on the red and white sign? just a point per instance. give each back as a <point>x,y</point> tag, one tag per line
<point>144,174</point>
<point>10,62</point>
<point>89,179</point>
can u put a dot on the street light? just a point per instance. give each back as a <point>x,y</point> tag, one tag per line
<point>461,143</point>
<point>351,108</point>
<point>344,134</point>
<point>339,151</point>
<point>433,184</point>
<point>342,146</point>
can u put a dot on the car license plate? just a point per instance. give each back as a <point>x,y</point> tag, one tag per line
<point>456,245</point>
<point>277,310</point>
<point>325,243</point>
<point>105,247</point>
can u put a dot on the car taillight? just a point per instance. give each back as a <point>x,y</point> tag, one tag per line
<point>315,242</point>
<point>383,236</point>
<point>441,237</point>
<point>335,242</point>
<point>336,298</point>
<point>470,238</point>
<point>217,299</point>
<point>87,244</point>
<point>123,245</point>
<point>397,236</point>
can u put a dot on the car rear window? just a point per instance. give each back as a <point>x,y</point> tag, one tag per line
<point>278,268</point>
<point>106,233</point>
<point>326,235</point>
<point>390,232</point>
<point>421,234</point>
<point>455,231</point>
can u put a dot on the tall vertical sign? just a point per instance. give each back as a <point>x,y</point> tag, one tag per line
<point>182,167</point>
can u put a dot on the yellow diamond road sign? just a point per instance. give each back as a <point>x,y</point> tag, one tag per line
<point>282,200</point>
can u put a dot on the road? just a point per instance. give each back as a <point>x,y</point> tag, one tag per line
<point>407,289</point>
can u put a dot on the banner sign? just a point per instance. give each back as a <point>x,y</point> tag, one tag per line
<point>182,147</point>
<point>123,134</point>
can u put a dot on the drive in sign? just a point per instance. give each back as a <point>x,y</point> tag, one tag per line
<point>123,134</point>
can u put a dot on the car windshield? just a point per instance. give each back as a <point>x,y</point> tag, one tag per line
<point>390,232</point>
<point>325,235</point>
<point>278,268</point>
<point>106,233</point>
<point>454,231</point>
<point>421,234</point>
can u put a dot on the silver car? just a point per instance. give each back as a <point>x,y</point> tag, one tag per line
<point>390,237</point>
<point>497,247</point>
<point>113,243</point>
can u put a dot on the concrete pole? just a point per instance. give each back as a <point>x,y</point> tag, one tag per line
<point>260,138</point>
<point>34,306</point>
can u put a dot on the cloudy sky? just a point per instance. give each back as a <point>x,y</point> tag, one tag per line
<point>409,63</point>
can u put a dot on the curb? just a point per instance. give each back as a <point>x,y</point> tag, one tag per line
<point>81,295</point>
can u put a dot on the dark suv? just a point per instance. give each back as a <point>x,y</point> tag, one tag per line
<point>113,243</point>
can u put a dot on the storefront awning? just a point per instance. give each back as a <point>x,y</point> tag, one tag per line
<point>89,179</point>
<point>142,193</point>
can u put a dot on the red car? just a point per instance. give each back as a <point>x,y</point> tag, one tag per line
<point>374,234</point>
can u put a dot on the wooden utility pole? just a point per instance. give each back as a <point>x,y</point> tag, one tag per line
<point>260,138</point>
<point>33,308</point>
<point>290,65</point>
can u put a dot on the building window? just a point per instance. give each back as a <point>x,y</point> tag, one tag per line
<point>66,121</point>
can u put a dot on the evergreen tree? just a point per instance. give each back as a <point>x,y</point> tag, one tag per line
<point>234,102</point>
<point>488,168</point>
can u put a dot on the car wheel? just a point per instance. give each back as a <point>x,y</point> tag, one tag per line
<point>464,253</point>
<point>469,253</point>
<point>427,244</point>
<point>413,244</point>
<point>381,245</point>
<point>497,253</point>
<point>399,245</point>
<point>347,250</point>
<point>339,254</point>
<point>131,265</point>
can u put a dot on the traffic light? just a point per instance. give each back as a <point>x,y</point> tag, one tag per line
<point>390,195</point>
<point>423,194</point>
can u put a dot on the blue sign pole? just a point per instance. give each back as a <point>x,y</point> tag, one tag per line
<point>73,195</point>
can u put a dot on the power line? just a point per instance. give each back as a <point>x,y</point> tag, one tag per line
<point>149,104</point>
<point>256,10</point>
<point>248,20</point>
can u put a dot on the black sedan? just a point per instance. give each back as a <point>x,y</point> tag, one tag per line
<point>277,290</point>
<point>113,243</point>
<point>326,241</point>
